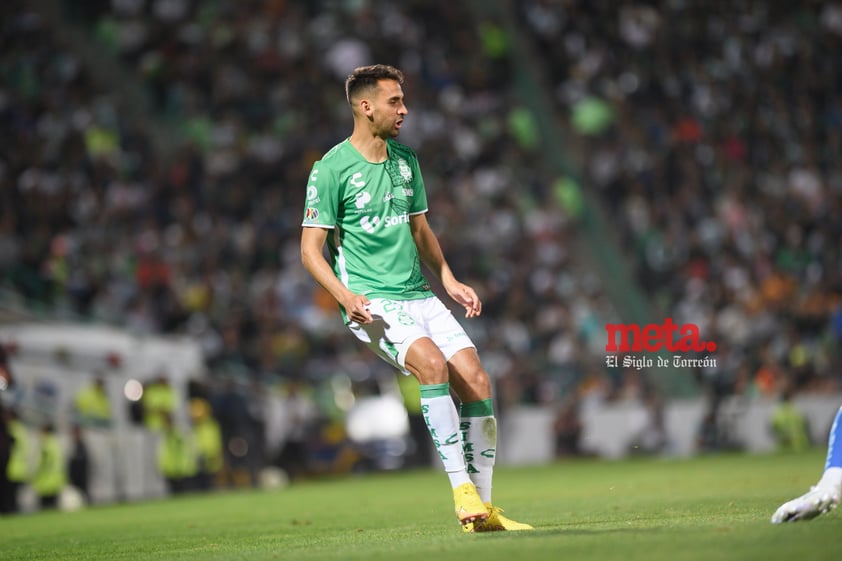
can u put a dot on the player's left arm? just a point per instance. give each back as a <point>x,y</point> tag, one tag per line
<point>429,250</point>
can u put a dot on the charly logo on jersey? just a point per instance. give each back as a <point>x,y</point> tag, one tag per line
<point>355,180</point>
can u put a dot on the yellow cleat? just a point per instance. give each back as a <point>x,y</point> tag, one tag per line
<point>496,522</point>
<point>469,507</point>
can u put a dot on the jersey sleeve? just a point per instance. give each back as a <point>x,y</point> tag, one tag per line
<point>321,206</point>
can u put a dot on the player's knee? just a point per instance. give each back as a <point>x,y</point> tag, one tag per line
<point>432,370</point>
<point>480,381</point>
<point>477,379</point>
<point>437,366</point>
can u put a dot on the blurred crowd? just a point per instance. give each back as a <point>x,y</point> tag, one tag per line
<point>712,137</point>
<point>214,437</point>
<point>204,240</point>
<point>709,136</point>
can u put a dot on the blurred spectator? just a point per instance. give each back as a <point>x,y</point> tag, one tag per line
<point>92,406</point>
<point>330,450</point>
<point>568,429</point>
<point>18,469</point>
<point>653,437</point>
<point>258,410</point>
<point>789,425</point>
<point>709,436</point>
<point>7,381</point>
<point>769,376</point>
<point>301,416</point>
<point>7,490</point>
<point>51,472</point>
<point>78,463</point>
<point>158,403</point>
<point>176,456</point>
<point>231,410</point>
<point>208,438</point>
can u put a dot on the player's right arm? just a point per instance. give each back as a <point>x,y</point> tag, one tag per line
<point>312,242</point>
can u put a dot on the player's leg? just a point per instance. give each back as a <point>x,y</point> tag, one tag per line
<point>399,336</point>
<point>825,495</point>
<point>478,424</point>
<point>426,362</point>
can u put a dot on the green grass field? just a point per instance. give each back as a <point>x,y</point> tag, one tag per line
<point>706,508</point>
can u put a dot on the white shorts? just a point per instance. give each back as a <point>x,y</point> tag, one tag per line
<point>399,323</point>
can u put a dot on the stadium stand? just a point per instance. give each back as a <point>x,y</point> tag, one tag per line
<point>204,239</point>
<point>709,137</point>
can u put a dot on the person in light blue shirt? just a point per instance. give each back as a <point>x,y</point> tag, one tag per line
<point>823,496</point>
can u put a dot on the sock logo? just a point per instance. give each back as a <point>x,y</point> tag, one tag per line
<point>486,455</point>
<point>451,440</point>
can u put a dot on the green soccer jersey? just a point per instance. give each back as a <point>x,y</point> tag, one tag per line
<point>368,208</point>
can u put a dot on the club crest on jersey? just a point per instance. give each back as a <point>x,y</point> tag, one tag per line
<point>405,170</point>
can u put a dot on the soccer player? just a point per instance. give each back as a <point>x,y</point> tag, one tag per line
<point>366,200</point>
<point>823,496</point>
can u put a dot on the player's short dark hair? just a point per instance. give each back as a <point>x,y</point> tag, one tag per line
<point>366,77</point>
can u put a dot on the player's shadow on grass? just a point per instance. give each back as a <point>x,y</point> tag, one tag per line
<point>566,530</point>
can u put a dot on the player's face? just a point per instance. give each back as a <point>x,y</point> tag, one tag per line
<point>388,109</point>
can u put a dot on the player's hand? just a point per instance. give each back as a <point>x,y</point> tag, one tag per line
<point>466,297</point>
<point>357,308</point>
